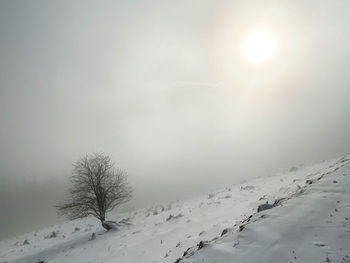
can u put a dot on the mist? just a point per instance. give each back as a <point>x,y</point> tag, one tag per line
<point>161,87</point>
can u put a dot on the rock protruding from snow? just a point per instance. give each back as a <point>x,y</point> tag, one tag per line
<point>265,206</point>
<point>172,217</point>
<point>225,231</point>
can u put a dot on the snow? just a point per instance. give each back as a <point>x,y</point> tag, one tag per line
<point>313,226</point>
<point>310,223</point>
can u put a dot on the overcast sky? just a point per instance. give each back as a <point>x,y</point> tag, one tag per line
<point>163,88</point>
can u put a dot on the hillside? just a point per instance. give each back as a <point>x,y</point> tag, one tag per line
<point>310,223</point>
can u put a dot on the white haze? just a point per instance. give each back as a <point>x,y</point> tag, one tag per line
<point>162,87</point>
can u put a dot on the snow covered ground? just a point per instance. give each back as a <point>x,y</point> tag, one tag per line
<point>313,225</point>
<point>310,223</point>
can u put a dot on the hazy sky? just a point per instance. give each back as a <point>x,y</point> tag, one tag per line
<point>163,87</point>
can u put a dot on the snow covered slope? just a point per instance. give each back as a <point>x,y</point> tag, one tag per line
<point>313,225</point>
<point>308,223</point>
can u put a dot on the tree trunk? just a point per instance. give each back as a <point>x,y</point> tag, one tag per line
<point>106,226</point>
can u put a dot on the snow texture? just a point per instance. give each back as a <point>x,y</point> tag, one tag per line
<point>308,222</point>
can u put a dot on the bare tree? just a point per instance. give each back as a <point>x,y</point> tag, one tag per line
<point>97,188</point>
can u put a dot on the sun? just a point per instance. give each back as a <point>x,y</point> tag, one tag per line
<point>259,46</point>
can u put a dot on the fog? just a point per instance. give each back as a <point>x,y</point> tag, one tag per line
<point>162,87</point>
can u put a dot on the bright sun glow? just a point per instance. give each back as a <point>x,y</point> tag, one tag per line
<point>259,46</point>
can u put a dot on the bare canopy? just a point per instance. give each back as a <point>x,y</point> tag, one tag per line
<point>97,188</point>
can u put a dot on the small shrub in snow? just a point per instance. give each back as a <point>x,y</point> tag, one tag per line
<point>93,236</point>
<point>25,242</point>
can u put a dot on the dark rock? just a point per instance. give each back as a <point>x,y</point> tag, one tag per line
<point>201,245</point>
<point>225,231</point>
<point>265,206</point>
<point>171,217</point>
